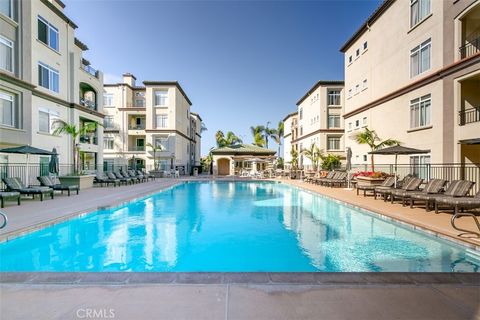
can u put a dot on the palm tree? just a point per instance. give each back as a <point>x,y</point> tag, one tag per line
<point>231,139</point>
<point>258,135</point>
<point>314,154</point>
<point>258,140</point>
<point>155,149</point>
<point>370,138</point>
<point>62,127</point>
<point>268,133</point>
<point>279,135</point>
<point>226,140</point>
<point>294,161</point>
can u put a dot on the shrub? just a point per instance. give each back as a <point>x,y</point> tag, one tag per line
<point>331,162</point>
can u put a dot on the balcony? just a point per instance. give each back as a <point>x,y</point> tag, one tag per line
<point>88,104</point>
<point>136,148</point>
<point>470,48</point>
<point>88,96</point>
<point>136,126</point>
<point>85,65</point>
<point>467,116</point>
<point>89,139</point>
<point>108,126</point>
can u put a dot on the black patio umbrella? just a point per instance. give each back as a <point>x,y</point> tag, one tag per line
<point>398,150</point>
<point>27,151</point>
<point>348,165</point>
<point>53,166</point>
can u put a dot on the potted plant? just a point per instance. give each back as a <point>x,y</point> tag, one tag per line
<point>370,178</point>
<point>155,148</point>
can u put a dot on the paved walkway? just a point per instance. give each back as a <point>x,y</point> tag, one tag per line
<point>35,213</point>
<point>230,301</point>
<point>437,223</point>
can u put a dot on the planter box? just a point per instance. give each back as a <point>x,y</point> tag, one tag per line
<point>84,182</point>
<point>369,181</point>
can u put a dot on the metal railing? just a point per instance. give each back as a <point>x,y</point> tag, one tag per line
<point>89,139</point>
<point>470,48</point>
<point>90,70</point>
<point>136,148</point>
<point>136,127</point>
<point>468,116</point>
<point>453,171</point>
<point>88,104</point>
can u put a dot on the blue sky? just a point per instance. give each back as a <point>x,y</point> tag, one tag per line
<point>242,63</point>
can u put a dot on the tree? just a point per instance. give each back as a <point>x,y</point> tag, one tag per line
<point>330,162</point>
<point>226,140</point>
<point>314,154</point>
<point>62,127</point>
<point>155,149</point>
<point>268,133</point>
<point>294,161</point>
<point>370,138</point>
<point>279,135</point>
<point>258,135</point>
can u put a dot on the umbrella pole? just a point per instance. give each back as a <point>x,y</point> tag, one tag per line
<point>27,172</point>
<point>396,155</point>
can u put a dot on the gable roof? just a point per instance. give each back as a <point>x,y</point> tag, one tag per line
<point>290,115</point>
<point>367,24</point>
<point>243,149</point>
<point>321,83</point>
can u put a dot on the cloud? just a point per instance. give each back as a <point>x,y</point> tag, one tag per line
<point>111,78</point>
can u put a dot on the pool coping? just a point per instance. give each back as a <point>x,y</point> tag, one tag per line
<point>409,225</point>
<point>249,278</point>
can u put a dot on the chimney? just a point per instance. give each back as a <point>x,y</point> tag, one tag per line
<point>129,79</point>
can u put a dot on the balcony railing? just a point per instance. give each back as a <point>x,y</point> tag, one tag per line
<point>88,104</point>
<point>136,127</point>
<point>471,48</point>
<point>110,126</point>
<point>90,70</point>
<point>136,148</point>
<point>89,139</point>
<point>468,116</point>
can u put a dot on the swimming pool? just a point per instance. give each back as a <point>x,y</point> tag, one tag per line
<point>232,226</point>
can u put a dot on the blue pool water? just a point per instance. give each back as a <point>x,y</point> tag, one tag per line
<point>232,226</point>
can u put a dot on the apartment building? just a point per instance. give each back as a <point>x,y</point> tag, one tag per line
<point>45,77</point>
<point>156,113</point>
<point>412,73</point>
<point>290,128</point>
<point>318,121</point>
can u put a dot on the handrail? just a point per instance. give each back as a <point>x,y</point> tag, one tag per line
<point>5,220</point>
<point>465,214</point>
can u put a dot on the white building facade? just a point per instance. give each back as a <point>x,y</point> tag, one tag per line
<point>156,114</point>
<point>44,78</point>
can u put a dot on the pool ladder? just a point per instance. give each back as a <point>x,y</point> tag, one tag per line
<point>465,231</point>
<point>5,220</point>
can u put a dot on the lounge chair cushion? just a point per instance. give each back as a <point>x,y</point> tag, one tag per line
<point>459,188</point>
<point>434,186</point>
<point>412,184</point>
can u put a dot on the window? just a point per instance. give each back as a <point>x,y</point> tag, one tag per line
<point>365,46</point>
<point>7,109</point>
<point>301,130</point>
<point>108,143</point>
<point>419,9</point>
<point>350,59</point>
<point>357,53</point>
<point>140,103</point>
<point>6,54</point>
<point>357,89</point>
<point>420,57</point>
<point>161,142</point>
<point>334,98</point>
<point>364,84</point>
<point>108,99</point>
<point>48,77</point>
<point>162,121</point>
<point>6,7</point>
<point>161,98</point>
<point>46,118</point>
<point>349,126</point>
<point>349,93</point>
<point>420,112</point>
<point>300,113</point>
<point>47,33</point>
<point>364,122</point>
<point>364,157</point>
<point>357,123</point>
<point>108,122</point>
<point>420,166</point>
<point>140,94</point>
<point>44,166</point>
<point>334,121</point>
<point>333,143</point>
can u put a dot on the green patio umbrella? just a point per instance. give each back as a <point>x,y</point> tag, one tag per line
<point>53,166</point>
<point>27,151</point>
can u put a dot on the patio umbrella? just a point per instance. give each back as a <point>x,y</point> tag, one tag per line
<point>27,151</point>
<point>348,166</point>
<point>398,150</point>
<point>53,164</point>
